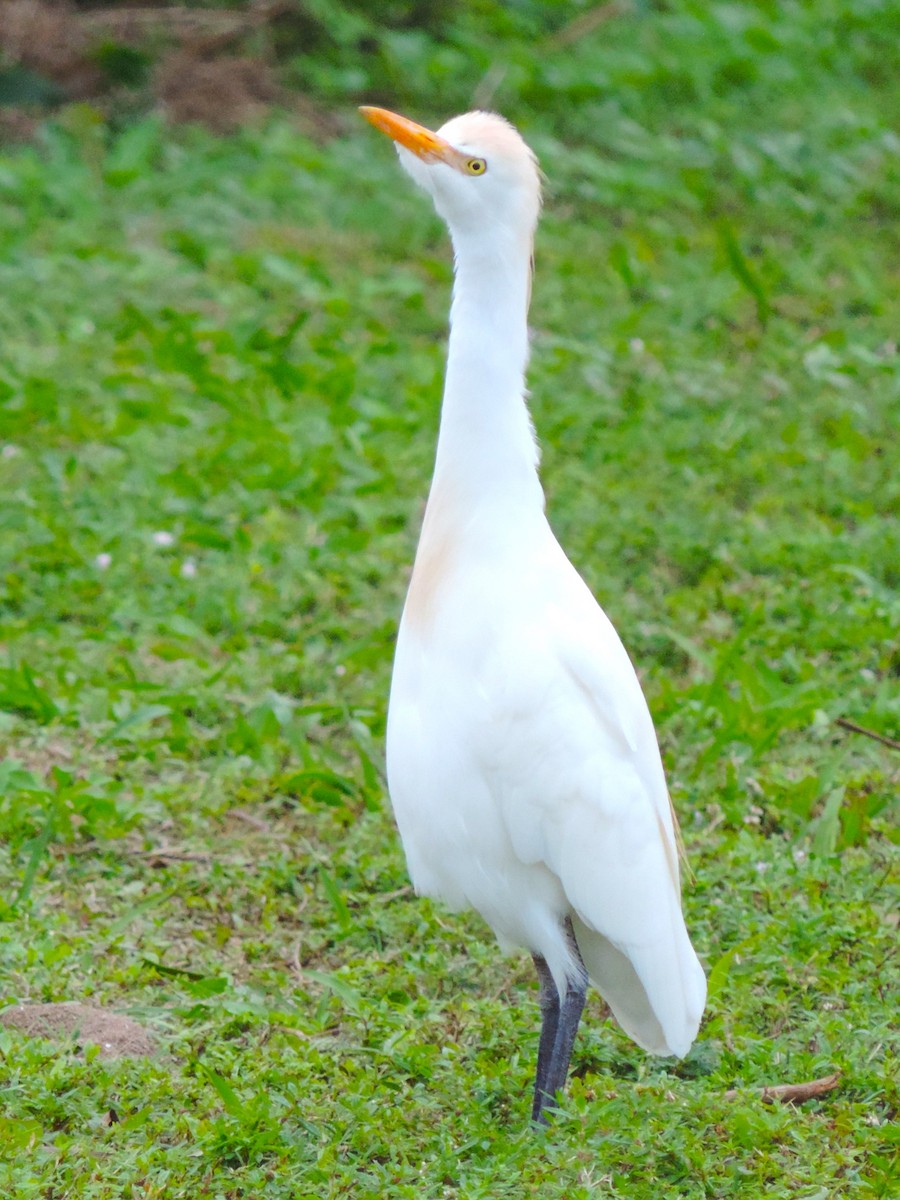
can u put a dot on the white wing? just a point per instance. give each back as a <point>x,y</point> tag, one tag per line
<point>581,787</point>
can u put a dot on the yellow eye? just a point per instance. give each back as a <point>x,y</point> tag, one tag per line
<point>476,166</point>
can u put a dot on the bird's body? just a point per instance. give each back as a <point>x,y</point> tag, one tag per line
<point>523,765</point>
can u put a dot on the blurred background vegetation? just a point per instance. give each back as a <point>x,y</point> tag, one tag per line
<point>223,63</point>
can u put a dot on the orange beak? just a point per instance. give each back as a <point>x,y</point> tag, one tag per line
<point>421,141</point>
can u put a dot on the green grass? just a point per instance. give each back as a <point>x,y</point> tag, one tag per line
<point>237,344</point>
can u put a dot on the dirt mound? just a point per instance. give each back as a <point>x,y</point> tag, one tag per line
<point>117,1036</point>
<point>197,65</point>
<point>221,93</point>
<point>49,39</point>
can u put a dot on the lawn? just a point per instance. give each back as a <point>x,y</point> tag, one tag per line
<point>220,372</point>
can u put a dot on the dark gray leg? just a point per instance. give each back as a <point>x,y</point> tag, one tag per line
<point>553,1079</point>
<point>549,1002</point>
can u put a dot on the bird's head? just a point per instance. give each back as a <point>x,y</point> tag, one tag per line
<point>483,178</point>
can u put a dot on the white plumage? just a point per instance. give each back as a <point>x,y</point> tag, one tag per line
<point>523,765</point>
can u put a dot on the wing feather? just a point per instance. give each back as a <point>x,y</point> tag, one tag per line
<point>582,789</point>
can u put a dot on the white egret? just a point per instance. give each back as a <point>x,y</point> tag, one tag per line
<point>523,765</point>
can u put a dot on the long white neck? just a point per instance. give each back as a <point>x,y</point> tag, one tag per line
<point>486,446</point>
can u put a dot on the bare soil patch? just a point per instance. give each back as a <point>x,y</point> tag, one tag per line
<point>116,1036</point>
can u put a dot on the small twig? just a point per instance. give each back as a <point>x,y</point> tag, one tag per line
<point>483,96</point>
<point>491,81</point>
<point>870,733</point>
<point>582,25</point>
<point>295,961</point>
<point>241,814</point>
<point>297,1033</point>
<point>790,1093</point>
<point>162,855</point>
<point>383,897</point>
